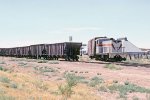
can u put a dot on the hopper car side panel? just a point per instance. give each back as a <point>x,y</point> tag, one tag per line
<point>67,50</point>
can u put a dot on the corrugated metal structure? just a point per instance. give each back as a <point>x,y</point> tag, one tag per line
<point>129,47</point>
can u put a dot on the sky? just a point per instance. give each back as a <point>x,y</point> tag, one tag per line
<point>26,22</point>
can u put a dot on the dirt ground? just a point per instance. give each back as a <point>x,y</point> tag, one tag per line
<point>135,74</point>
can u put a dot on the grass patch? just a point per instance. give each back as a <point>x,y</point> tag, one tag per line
<point>2,62</point>
<point>3,69</point>
<point>59,78</point>
<point>138,61</point>
<point>135,98</point>
<point>84,81</point>
<point>127,88</point>
<point>42,61</point>
<point>1,91</point>
<point>18,59</point>
<point>5,97</point>
<point>95,81</point>
<point>46,69</point>
<point>71,81</point>
<point>53,62</point>
<point>112,67</point>
<point>4,79</point>
<point>41,85</point>
<point>102,89</point>
<point>14,85</point>
<point>22,64</point>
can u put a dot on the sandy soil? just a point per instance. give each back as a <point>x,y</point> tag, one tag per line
<point>139,75</point>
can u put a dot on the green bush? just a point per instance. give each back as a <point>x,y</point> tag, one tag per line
<point>112,67</point>
<point>71,79</point>
<point>13,85</point>
<point>84,81</point>
<point>4,79</point>
<point>95,81</point>
<point>45,69</point>
<point>128,88</point>
<point>102,88</point>
<point>1,68</point>
<point>66,90</point>
<point>42,61</point>
<point>59,78</point>
<point>113,88</point>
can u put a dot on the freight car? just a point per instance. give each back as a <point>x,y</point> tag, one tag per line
<point>2,51</point>
<point>105,49</point>
<point>66,50</point>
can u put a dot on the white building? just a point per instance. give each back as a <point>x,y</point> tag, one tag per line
<point>83,50</point>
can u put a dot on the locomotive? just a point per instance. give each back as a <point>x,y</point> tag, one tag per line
<point>106,49</point>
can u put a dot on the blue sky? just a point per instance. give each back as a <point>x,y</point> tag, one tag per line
<point>25,22</point>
